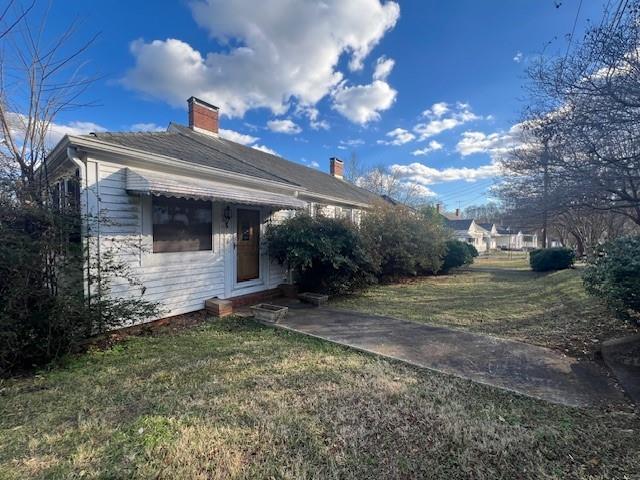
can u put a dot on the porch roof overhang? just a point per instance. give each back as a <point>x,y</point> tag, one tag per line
<point>147,182</point>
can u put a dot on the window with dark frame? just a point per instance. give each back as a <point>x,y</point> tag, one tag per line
<point>181,225</point>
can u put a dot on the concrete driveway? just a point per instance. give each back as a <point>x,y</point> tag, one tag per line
<point>528,369</point>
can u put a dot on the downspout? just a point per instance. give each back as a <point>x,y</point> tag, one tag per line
<point>72,154</point>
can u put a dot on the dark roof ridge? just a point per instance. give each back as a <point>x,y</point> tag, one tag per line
<point>122,134</point>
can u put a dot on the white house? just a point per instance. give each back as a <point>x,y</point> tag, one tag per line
<point>509,238</point>
<point>490,239</point>
<point>488,236</point>
<point>186,209</point>
<point>467,230</point>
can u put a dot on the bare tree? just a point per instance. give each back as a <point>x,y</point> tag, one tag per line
<point>586,109</point>
<point>490,212</point>
<point>40,77</point>
<point>353,168</point>
<point>388,183</point>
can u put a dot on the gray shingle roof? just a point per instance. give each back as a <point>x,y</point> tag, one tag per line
<point>184,144</point>
<point>486,226</point>
<point>460,224</point>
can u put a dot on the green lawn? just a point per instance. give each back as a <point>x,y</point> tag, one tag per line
<point>501,296</point>
<point>232,399</point>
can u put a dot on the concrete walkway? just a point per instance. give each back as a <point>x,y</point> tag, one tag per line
<point>528,369</point>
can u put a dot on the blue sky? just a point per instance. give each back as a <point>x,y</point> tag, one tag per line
<point>431,89</point>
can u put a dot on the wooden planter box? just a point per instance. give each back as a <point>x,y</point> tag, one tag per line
<point>267,313</point>
<point>316,299</point>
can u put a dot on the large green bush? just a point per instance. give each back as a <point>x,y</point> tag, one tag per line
<point>44,313</point>
<point>613,274</point>
<point>402,242</point>
<point>457,254</point>
<point>473,251</point>
<point>325,254</point>
<point>546,259</point>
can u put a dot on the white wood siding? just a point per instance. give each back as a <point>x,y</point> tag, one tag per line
<point>179,281</point>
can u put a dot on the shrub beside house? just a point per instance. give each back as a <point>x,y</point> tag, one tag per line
<point>613,274</point>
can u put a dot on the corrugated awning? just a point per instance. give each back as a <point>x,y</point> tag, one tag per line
<point>147,182</point>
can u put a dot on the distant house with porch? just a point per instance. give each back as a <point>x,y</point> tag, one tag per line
<point>487,236</point>
<point>491,239</point>
<point>468,231</point>
<point>510,238</point>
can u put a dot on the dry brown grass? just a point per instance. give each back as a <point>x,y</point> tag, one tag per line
<point>501,296</point>
<point>233,399</point>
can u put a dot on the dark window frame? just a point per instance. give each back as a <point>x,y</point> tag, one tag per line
<point>183,229</point>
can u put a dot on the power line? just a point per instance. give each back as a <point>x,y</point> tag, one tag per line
<point>573,31</point>
<point>451,196</point>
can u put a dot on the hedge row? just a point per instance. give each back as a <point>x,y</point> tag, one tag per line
<point>335,256</point>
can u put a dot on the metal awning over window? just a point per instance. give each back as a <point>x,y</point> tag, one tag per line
<point>147,182</point>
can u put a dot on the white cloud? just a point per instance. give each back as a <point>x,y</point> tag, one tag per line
<point>495,144</point>
<point>241,138</point>
<point>352,142</point>
<point>312,163</point>
<point>284,126</point>
<point>281,53</point>
<point>424,175</point>
<point>399,136</point>
<point>319,124</point>
<point>363,103</point>
<point>437,110</point>
<point>313,115</point>
<point>244,139</point>
<point>55,131</point>
<point>383,68</point>
<point>519,56</point>
<point>432,147</point>
<point>147,127</point>
<point>421,190</point>
<point>264,148</point>
<point>442,116</point>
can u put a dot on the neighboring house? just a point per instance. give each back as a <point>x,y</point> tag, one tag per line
<point>510,238</point>
<point>529,240</point>
<point>491,240</point>
<point>196,205</point>
<point>467,230</point>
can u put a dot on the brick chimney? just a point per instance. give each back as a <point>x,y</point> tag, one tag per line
<point>457,212</point>
<point>336,167</point>
<point>203,117</point>
<point>438,208</point>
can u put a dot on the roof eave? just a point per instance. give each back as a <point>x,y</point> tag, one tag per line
<point>89,144</point>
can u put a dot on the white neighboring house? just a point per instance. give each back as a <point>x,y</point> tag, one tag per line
<point>197,206</point>
<point>509,238</point>
<point>491,240</point>
<point>467,230</point>
<point>529,240</point>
